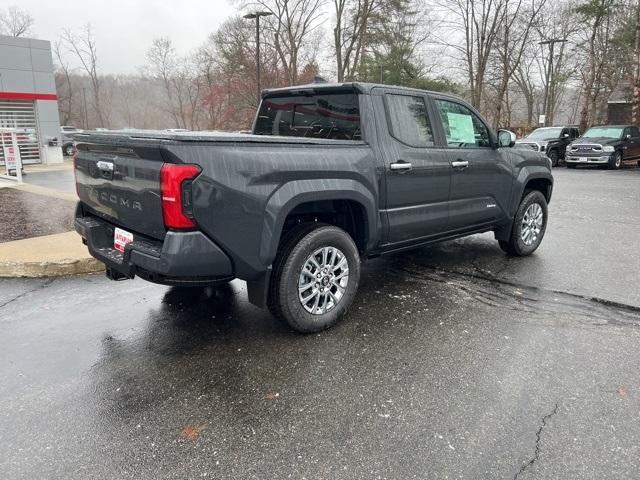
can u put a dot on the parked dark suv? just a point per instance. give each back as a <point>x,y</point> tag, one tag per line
<point>609,146</point>
<point>551,140</point>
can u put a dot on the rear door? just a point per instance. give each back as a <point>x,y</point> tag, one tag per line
<point>417,172</point>
<point>122,184</point>
<point>633,143</point>
<point>481,174</point>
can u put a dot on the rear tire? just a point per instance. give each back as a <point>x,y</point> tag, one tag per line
<point>529,225</point>
<point>315,277</point>
<point>68,150</point>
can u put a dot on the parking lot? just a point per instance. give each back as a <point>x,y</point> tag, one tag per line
<point>455,361</point>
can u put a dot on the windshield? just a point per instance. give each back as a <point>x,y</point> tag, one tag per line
<point>543,133</point>
<point>606,132</point>
<point>328,115</point>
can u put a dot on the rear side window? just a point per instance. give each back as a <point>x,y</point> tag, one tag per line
<point>635,132</point>
<point>408,120</point>
<point>334,116</point>
<point>462,127</point>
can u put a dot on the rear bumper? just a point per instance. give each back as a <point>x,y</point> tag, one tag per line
<point>183,258</point>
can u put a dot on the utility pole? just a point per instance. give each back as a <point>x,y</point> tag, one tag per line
<point>251,16</point>
<point>546,104</point>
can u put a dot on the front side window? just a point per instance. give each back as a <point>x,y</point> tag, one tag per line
<point>462,127</point>
<point>408,120</point>
<point>331,115</point>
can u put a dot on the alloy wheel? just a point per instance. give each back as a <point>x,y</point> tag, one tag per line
<point>323,280</point>
<point>531,226</point>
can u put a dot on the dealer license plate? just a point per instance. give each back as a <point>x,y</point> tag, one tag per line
<point>583,159</point>
<point>121,238</point>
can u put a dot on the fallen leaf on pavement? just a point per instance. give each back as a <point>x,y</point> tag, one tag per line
<point>191,432</point>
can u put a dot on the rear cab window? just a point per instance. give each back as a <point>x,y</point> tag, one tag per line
<point>408,120</point>
<point>330,115</point>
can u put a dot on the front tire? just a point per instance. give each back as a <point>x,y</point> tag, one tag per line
<point>555,158</point>
<point>616,161</point>
<point>529,225</point>
<point>315,277</point>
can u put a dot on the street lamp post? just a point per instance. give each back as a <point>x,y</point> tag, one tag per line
<point>545,103</point>
<point>257,16</point>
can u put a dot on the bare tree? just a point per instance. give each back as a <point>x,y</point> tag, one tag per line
<point>350,34</point>
<point>291,26</point>
<point>83,45</point>
<point>513,38</point>
<point>525,78</point>
<point>634,71</point>
<point>162,62</point>
<point>478,22</point>
<point>65,90</point>
<point>595,14</point>
<point>15,22</point>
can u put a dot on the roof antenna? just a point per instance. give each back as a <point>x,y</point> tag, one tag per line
<point>319,79</point>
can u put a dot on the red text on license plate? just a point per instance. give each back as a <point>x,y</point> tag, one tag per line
<point>121,238</point>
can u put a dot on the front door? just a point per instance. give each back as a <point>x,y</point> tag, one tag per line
<point>417,173</point>
<point>632,143</point>
<point>481,174</point>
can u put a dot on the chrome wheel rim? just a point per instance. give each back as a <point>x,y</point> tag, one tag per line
<point>532,222</point>
<point>323,280</point>
<point>618,159</point>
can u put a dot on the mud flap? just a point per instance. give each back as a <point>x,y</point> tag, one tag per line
<point>258,289</point>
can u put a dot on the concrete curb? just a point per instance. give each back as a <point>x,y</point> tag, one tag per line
<point>49,269</point>
<point>47,256</point>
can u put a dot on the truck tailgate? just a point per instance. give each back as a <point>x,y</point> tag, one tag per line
<point>121,184</point>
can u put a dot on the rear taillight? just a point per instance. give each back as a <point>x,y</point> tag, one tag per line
<point>175,189</point>
<point>75,171</point>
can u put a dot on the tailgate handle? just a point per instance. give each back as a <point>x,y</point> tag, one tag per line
<point>106,169</point>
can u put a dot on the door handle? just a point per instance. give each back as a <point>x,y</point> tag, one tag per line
<point>401,165</point>
<point>460,164</point>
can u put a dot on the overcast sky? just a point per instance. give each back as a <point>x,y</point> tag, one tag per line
<point>124,29</point>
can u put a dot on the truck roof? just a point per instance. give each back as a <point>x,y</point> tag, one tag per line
<point>360,87</point>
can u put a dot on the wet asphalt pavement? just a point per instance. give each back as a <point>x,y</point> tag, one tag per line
<point>60,180</point>
<point>454,362</point>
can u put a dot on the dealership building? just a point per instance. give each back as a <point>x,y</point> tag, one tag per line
<point>28,99</point>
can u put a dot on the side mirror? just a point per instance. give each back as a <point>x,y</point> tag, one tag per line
<point>506,138</point>
<point>627,136</point>
<point>565,135</point>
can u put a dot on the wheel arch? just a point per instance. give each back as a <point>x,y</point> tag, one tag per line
<point>309,197</point>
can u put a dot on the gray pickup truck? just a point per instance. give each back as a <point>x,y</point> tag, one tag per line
<point>332,174</point>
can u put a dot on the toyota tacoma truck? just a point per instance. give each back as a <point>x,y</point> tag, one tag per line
<point>331,174</point>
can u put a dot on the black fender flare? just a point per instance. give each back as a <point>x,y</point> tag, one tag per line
<point>525,175</point>
<point>289,196</point>
<point>297,192</point>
